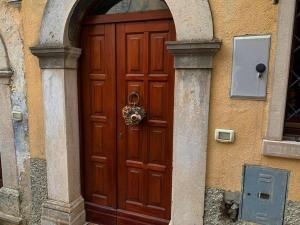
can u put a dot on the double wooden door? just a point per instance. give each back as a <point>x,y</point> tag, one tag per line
<point>126,170</point>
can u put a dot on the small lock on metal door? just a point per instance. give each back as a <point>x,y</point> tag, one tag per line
<point>264,195</point>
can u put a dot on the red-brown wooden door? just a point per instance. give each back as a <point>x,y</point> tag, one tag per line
<point>127,170</point>
<point>98,110</point>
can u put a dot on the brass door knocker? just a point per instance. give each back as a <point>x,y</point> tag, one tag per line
<point>133,114</point>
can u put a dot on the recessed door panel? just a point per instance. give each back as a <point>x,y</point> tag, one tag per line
<point>158,53</point>
<point>97,44</point>
<point>134,143</point>
<point>157,145</point>
<point>97,97</point>
<point>156,191</point>
<point>158,99</point>
<point>97,139</point>
<point>135,53</point>
<point>134,186</point>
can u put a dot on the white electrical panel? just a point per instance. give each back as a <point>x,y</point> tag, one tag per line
<point>250,67</point>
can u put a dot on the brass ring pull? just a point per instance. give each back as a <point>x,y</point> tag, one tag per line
<point>132,96</point>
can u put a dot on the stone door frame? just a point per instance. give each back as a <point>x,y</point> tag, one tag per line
<point>193,51</point>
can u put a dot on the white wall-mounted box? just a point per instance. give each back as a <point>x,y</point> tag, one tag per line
<point>224,136</point>
<point>248,53</point>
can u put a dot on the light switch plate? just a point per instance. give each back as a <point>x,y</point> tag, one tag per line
<point>224,136</point>
<point>17,116</point>
<point>248,52</point>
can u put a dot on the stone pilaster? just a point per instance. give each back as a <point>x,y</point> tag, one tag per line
<point>9,194</point>
<point>59,74</point>
<point>193,64</point>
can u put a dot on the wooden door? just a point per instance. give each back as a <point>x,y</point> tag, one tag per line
<point>127,170</point>
<point>98,91</point>
<point>145,151</point>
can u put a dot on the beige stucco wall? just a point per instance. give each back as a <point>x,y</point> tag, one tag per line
<point>247,118</point>
<point>32,13</point>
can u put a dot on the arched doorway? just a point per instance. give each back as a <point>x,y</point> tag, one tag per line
<point>58,57</point>
<point>127,170</point>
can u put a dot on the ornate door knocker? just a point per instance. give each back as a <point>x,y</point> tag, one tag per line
<point>133,114</point>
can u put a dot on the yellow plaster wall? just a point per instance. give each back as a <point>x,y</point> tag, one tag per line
<point>248,118</point>
<point>32,13</point>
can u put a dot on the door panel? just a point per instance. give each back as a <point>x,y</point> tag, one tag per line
<point>127,169</point>
<point>158,54</point>
<point>135,53</point>
<point>98,84</point>
<point>145,151</point>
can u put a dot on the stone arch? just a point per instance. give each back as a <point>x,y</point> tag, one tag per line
<point>193,21</point>
<point>193,51</point>
<point>4,60</point>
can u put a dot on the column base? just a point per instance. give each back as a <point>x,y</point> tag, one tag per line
<point>61,213</point>
<point>9,206</point>
<point>6,219</point>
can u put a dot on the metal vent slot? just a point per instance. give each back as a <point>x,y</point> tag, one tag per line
<point>264,196</point>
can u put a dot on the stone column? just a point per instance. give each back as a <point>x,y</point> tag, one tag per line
<point>9,194</point>
<point>193,64</point>
<point>59,74</point>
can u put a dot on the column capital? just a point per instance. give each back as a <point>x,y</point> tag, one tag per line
<point>193,54</point>
<point>57,57</point>
<point>15,2</point>
<point>5,76</point>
